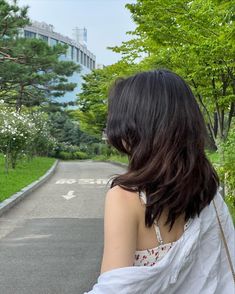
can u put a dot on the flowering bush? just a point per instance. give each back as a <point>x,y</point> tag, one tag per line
<point>67,151</point>
<point>43,142</point>
<point>25,133</point>
<point>16,132</point>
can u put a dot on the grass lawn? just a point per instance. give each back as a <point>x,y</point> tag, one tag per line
<point>24,174</point>
<point>116,158</point>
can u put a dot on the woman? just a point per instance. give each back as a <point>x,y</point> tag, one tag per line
<point>161,233</point>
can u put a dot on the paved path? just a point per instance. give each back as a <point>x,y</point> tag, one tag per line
<point>52,241</point>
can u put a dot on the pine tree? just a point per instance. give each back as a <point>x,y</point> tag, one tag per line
<point>31,72</point>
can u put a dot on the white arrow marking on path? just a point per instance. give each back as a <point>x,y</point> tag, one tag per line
<point>69,195</point>
<point>82,181</point>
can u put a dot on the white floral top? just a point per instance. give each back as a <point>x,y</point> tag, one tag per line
<point>149,257</point>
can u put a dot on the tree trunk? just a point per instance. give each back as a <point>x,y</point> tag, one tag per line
<point>230,116</point>
<point>6,163</point>
<point>219,113</point>
<point>215,126</point>
<point>19,99</point>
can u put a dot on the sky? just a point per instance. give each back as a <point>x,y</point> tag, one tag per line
<point>107,22</point>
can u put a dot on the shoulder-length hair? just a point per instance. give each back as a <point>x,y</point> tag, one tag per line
<point>154,118</point>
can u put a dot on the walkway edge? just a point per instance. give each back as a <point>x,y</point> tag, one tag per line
<point>15,198</point>
<point>113,162</point>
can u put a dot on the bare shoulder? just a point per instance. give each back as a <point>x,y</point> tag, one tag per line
<point>120,229</point>
<point>118,195</point>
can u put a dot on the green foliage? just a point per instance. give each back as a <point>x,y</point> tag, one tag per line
<point>65,147</point>
<point>24,174</point>
<point>12,18</point>
<point>231,205</point>
<point>71,156</point>
<point>25,133</point>
<point>67,130</point>
<point>39,75</point>
<point>119,158</point>
<point>63,128</point>
<point>226,167</point>
<point>100,157</point>
<point>213,156</point>
<point>43,141</point>
<point>97,149</point>
<point>224,162</point>
<point>114,158</point>
<point>64,150</point>
<point>31,72</point>
<point>16,133</point>
<point>31,75</point>
<point>80,155</point>
<point>194,39</point>
<point>92,101</point>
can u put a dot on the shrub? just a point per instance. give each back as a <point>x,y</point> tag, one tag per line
<point>226,167</point>
<point>17,132</point>
<point>80,155</point>
<point>65,155</point>
<point>23,134</point>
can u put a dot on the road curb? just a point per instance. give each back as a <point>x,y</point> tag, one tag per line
<point>113,162</point>
<point>15,198</point>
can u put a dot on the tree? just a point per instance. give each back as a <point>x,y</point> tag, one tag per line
<point>38,77</point>
<point>12,18</point>
<point>66,130</point>
<point>92,101</point>
<point>194,39</point>
<point>31,72</point>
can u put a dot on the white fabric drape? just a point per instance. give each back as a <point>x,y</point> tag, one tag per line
<point>196,264</point>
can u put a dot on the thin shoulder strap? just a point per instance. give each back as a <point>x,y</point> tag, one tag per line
<point>158,233</point>
<point>157,229</point>
<point>224,241</point>
<point>143,196</point>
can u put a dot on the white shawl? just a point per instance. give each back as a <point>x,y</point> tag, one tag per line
<point>196,264</point>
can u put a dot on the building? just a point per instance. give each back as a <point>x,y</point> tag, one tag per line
<point>77,51</point>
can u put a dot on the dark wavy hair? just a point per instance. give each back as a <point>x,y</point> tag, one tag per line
<point>154,118</point>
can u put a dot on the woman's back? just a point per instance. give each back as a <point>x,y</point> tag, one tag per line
<point>147,237</point>
<point>197,263</point>
<point>127,235</point>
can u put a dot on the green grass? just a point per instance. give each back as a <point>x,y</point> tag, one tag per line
<point>24,174</point>
<point>213,157</point>
<point>116,158</point>
<point>99,157</point>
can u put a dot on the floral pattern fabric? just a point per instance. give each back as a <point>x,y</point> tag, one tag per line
<point>149,257</point>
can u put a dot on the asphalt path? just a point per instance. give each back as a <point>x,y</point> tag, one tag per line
<point>52,241</point>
